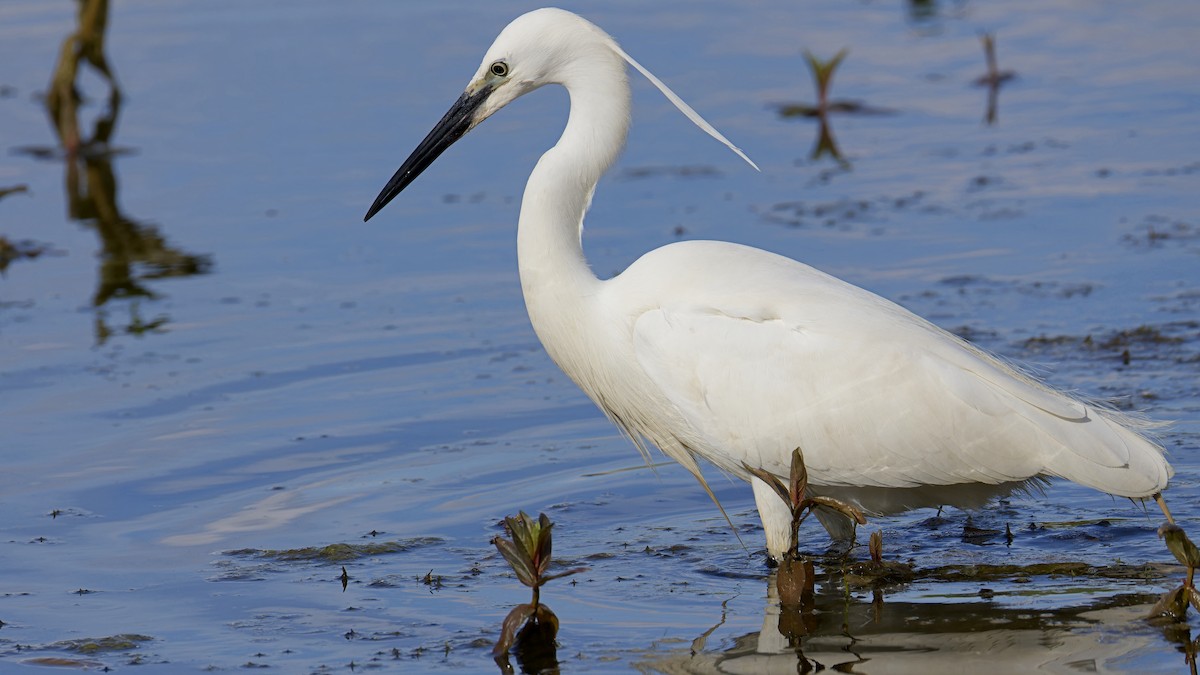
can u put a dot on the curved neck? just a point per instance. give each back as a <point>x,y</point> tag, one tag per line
<point>549,245</point>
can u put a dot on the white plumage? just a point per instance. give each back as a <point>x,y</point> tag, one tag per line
<point>716,351</point>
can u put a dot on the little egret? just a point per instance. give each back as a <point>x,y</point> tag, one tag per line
<point>717,351</point>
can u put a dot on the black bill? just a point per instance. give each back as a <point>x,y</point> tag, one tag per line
<point>456,122</point>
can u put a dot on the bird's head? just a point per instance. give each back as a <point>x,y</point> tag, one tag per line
<point>545,46</point>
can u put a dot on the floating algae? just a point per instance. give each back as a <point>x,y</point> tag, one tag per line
<point>337,553</point>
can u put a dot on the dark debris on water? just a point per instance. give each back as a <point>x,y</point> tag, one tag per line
<point>1157,230</point>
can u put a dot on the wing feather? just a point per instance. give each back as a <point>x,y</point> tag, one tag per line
<point>771,354</point>
<point>917,408</point>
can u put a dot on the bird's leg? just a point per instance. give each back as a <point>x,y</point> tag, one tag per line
<point>776,520</point>
<point>1162,504</point>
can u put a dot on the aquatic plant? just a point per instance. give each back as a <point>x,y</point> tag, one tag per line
<point>529,555</point>
<point>877,572</point>
<point>1174,603</point>
<point>822,72</point>
<point>796,578</point>
<point>795,495</point>
<point>994,76</point>
<point>336,553</point>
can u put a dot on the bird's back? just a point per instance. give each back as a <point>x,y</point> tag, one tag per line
<point>750,354</point>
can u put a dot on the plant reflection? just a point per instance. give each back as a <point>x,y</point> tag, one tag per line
<point>1180,634</point>
<point>822,72</point>
<point>133,252</point>
<point>17,250</point>
<point>847,622</point>
<point>826,144</point>
<point>993,78</point>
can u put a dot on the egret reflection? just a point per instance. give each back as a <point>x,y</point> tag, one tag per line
<point>843,628</point>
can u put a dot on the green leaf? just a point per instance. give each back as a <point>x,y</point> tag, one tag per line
<point>1180,546</point>
<point>521,528</point>
<point>517,559</point>
<point>814,64</point>
<point>836,61</point>
<point>822,72</point>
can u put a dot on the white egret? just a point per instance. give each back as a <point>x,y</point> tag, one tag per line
<point>722,352</point>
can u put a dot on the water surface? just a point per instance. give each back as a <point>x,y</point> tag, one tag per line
<point>212,353</point>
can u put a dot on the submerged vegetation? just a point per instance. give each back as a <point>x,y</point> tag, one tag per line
<point>336,553</point>
<point>112,643</point>
<point>876,572</point>
<point>86,651</point>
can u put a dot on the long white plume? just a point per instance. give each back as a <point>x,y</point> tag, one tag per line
<point>683,107</point>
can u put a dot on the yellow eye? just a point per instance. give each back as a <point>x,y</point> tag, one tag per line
<point>499,69</point>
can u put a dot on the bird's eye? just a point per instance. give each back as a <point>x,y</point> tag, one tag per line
<point>499,69</point>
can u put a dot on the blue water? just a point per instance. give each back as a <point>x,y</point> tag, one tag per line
<point>325,378</point>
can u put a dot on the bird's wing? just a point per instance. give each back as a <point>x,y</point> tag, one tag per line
<point>873,395</point>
